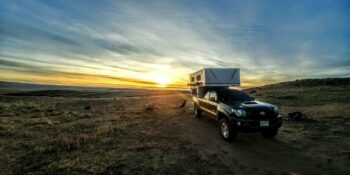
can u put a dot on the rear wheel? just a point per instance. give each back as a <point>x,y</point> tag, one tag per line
<point>197,112</point>
<point>227,131</point>
<point>270,133</point>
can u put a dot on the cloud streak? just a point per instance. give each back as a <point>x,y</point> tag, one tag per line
<point>131,41</point>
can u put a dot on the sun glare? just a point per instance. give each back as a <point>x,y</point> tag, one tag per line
<point>162,80</point>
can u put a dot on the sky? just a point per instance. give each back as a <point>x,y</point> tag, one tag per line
<point>159,43</point>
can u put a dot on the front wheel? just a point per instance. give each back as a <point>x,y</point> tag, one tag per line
<point>270,133</point>
<point>226,130</point>
<point>197,112</point>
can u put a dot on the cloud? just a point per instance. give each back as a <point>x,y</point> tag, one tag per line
<point>127,40</point>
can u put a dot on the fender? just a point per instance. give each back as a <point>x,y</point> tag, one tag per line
<point>221,109</point>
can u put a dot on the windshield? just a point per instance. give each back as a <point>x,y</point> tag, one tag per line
<point>234,95</point>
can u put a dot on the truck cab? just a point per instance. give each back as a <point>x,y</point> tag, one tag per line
<point>236,111</point>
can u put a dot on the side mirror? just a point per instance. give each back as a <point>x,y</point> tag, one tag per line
<point>252,98</point>
<point>212,99</point>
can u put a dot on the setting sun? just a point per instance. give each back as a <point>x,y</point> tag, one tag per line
<point>162,80</point>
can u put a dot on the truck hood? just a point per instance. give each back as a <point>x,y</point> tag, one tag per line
<point>250,105</point>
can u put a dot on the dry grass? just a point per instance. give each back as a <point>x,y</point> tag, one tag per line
<point>105,132</point>
<point>73,135</point>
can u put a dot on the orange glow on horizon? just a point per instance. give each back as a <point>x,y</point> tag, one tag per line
<point>151,80</point>
<point>90,80</point>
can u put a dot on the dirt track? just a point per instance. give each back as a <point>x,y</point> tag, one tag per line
<point>249,154</point>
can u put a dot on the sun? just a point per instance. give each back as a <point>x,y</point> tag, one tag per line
<point>162,80</point>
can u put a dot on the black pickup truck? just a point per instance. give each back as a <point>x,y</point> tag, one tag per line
<point>237,111</point>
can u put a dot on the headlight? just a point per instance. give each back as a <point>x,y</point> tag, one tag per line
<point>239,112</point>
<point>275,109</point>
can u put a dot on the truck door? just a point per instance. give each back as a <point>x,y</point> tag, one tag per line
<point>204,102</point>
<point>212,103</point>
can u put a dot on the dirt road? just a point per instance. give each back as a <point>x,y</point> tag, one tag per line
<point>249,154</point>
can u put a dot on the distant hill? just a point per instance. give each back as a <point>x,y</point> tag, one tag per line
<point>32,86</point>
<point>311,83</point>
<point>16,86</point>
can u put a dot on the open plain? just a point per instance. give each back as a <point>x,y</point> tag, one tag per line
<point>131,131</point>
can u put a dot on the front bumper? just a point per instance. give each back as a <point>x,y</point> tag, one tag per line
<point>247,125</point>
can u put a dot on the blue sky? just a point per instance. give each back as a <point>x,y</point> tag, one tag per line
<point>146,43</point>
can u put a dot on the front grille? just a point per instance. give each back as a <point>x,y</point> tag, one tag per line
<point>261,114</point>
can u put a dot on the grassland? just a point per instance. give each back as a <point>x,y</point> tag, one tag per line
<point>147,132</point>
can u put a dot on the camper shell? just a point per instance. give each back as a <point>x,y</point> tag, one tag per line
<point>213,78</point>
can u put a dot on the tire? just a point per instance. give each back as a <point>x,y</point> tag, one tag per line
<point>197,112</point>
<point>227,131</point>
<point>270,133</point>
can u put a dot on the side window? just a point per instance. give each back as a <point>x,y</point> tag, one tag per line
<point>213,96</point>
<point>207,95</point>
